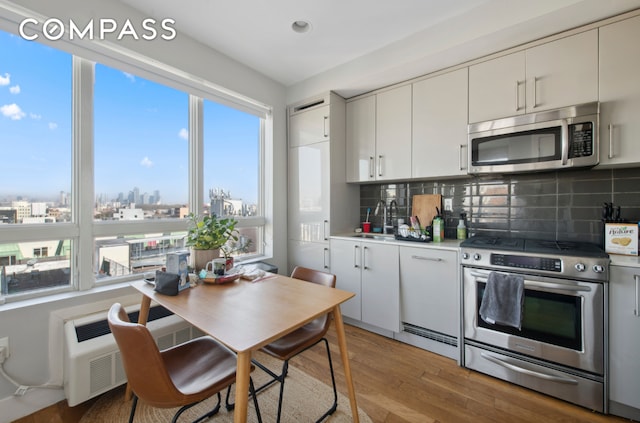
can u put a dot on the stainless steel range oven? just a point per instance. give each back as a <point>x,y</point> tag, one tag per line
<point>560,347</point>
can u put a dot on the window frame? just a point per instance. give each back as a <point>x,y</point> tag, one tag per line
<point>82,230</point>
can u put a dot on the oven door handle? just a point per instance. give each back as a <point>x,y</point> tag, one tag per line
<point>546,285</point>
<point>528,372</point>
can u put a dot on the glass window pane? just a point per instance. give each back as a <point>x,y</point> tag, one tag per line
<point>35,131</point>
<point>122,256</point>
<point>34,265</point>
<point>231,160</point>
<point>141,147</point>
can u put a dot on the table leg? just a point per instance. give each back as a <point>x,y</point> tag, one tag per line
<point>342,342</point>
<point>242,387</point>
<point>145,304</point>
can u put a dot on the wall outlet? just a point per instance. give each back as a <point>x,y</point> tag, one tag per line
<point>4,342</point>
<point>448,204</point>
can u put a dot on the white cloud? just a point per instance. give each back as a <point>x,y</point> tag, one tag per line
<point>146,162</point>
<point>53,125</point>
<point>5,80</point>
<point>184,134</point>
<point>129,76</point>
<point>15,89</point>
<point>12,111</point>
<point>35,116</point>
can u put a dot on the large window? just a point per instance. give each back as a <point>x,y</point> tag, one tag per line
<point>102,166</point>
<point>231,171</point>
<point>140,147</point>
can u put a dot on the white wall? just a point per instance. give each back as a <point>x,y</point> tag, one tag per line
<point>28,326</point>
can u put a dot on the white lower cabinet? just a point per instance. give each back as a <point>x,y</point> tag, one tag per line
<point>371,271</point>
<point>314,255</point>
<point>624,342</point>
<point>430,299</point>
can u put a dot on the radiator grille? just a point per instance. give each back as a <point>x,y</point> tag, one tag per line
<point>101,327</point>
<point>430,334</point>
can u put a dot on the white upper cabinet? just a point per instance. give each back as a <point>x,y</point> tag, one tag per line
<point>549,76</point>
<point>393,134</point>
<point>361,139</point>
<point>439,139</point>
<point>309,127</point>
<point>497,88</point>
<point>620,92</point>
<point>379,136</point>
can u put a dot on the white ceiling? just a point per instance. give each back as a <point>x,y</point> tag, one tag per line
<point>365,44</point>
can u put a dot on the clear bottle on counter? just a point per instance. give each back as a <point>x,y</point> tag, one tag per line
<point>462,228</point>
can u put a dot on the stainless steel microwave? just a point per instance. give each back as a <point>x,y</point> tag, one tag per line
<point>554,139</point>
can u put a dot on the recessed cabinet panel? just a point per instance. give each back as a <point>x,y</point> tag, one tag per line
<point>439,139</point>
<point>309,127</point>
<point>370,269</point>
<point>393,134</point>
<point>429,289</point>
<point>563,72</point>
<point>361,140</point>
<point>309,193</point>
<point>346,262</point>
<point>620,93</point>
<point>549,76</point>
<point>497,88</point>
<point>624,337</point>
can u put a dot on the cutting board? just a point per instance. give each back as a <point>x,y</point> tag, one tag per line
<point>424,206</point>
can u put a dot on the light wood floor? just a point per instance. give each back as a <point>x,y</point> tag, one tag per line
<point>396,383</point>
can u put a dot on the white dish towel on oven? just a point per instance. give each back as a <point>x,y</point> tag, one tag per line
<point>503,300</point>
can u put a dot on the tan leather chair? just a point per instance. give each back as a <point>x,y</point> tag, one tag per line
<point>301,339</point>
<point>180,376</point>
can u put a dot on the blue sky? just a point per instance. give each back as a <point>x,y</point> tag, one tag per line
<point>140,131</point>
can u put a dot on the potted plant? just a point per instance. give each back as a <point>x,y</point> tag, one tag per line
<point>235,246</point>
<point>207,235</point>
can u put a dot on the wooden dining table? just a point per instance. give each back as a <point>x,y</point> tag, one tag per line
<point>247,315</point>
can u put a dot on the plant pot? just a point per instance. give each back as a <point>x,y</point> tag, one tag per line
<point>200,258</point>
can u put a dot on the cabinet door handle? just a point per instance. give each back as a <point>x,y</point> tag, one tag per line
<point>427,258</point>
<point>461,160</point>
<point>324,230</point>
<point>564,136</point>
<point>364,258</point>
<point>517,96</point>
<point>324,126</point>
<point>371,175</point>
<point>637,296</point>
<point>355,256</point>
<point>324,259</point>
<point>380,165</point>
<point>535,92</point>
<point>611,155</point>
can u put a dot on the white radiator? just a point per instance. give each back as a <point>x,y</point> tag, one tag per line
<point>93,366</point>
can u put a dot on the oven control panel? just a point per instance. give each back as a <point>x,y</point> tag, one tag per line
<point>526,262</point>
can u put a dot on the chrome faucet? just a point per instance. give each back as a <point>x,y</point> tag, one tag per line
<point>392,205</point>
<point>384,214</point>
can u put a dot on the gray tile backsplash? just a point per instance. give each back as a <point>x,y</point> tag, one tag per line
<point>563,205</point>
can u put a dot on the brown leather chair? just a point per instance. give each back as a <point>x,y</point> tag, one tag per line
<point>180,376</point>
<point>302,339</point>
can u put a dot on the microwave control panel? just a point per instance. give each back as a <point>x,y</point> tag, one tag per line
<point>581,139</point>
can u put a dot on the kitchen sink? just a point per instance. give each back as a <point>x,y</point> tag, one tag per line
<point>380,237</point>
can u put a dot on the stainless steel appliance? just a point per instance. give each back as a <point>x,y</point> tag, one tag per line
<point>556,139</point>
<point>561,347</point>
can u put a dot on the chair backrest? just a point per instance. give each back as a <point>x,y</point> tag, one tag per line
<point>315,276</point>
<point>141,359</point>
<point>321,278</point>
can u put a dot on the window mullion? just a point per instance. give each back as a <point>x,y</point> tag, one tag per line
<point>83,174</point>
<point>196,156</point>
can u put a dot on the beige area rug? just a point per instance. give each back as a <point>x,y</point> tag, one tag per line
<point>305,399</point>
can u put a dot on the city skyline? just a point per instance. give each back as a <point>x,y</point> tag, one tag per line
<point>140,131</point>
